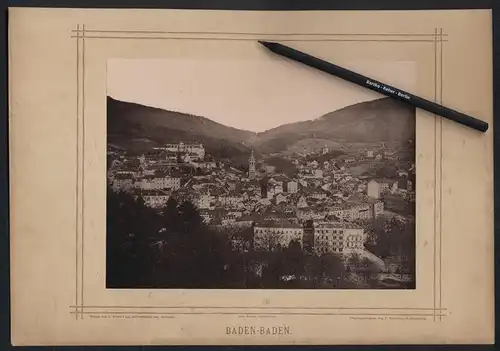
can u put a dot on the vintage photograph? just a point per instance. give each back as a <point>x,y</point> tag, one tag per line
<point>257,175</point>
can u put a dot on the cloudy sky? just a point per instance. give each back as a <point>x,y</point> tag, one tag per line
<point>254,95</point>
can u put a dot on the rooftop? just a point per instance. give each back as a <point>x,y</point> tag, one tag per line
<point>338,225</point>
<point>276,224</point>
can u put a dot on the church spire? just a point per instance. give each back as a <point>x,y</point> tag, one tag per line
<point>251,166</point>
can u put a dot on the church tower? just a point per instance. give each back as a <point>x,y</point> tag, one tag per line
<point>251,166</point>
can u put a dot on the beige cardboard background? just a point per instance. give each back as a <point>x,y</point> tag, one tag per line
<point>58,146</point>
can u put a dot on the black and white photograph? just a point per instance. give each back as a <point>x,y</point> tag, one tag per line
<point>257,174</point>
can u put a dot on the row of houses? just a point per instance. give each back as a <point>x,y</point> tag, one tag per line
<point>350,211</point>
<point>194,150</point>
<point>126,182</point>
<point>316,236</point>
<point>377,187</point>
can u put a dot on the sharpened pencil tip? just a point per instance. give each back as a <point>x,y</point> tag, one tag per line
<point>267,44</point>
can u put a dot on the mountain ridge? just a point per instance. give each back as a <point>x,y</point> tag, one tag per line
<point>380,120</point>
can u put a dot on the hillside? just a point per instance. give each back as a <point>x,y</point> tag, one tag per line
<point>136,128</point>
<point>382,120</point>
<point>120,112</point>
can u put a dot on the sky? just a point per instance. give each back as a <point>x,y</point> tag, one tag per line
<point>254,95</point>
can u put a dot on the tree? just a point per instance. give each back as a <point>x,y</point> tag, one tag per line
<point>189,216</point>
<point>313,270</point>
<point>333,268</point>
<point>131,227</point>
<point>269,242</point>
<point>171,215</point>
<point>294,259</point>
<point>274,271</point>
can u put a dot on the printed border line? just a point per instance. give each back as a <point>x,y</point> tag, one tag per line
<point>83,160</point>
<point>435,168</point>
<point>80,165</point>
<point>441,177</point>
<point>77,165</point>
<point>83,36</point>
<point>264,314</point>
<point>267,307</point>
<point>254,39</point>
<point>253,33</point>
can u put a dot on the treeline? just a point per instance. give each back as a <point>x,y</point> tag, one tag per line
<point>175,249</point>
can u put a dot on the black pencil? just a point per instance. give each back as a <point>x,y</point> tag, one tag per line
<point>375,85</point>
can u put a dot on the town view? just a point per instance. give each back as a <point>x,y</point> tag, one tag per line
<point>318,212</point>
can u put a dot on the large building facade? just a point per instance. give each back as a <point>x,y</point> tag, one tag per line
<point>317,237</point>
<point>338,237</point>
<point>269,236</point>
<point>182,147</point>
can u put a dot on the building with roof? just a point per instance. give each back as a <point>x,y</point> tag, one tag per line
<point>269,235</point>
<point>279,198</point>
<point>246,221</point>
<point>155,199</point>
<point>229,200</point>
<point>151,182</point>
<point>185,147</point>
<point>206,201</point>
<point>338,237</point>
<point>292,187</point>
<point>122,182</point>
<point>207,215</point>
<point>377,187</point>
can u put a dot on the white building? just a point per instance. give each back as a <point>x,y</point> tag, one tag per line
<point>378,187</point>
<point>279,198</point>
<point>373,189</point>
<point>358,210</point>
<point>230,200</point>
<point>302,203</point>
<point>206,201</point>
<point>292,187</point>
<point>190,148</point>
<point>378,208</point>
<point>155,199</point>
<point>151,182</point>
<point>122,182</point>
<point>268,235</point>
<point>338,237</point>
<point>173,183</point>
